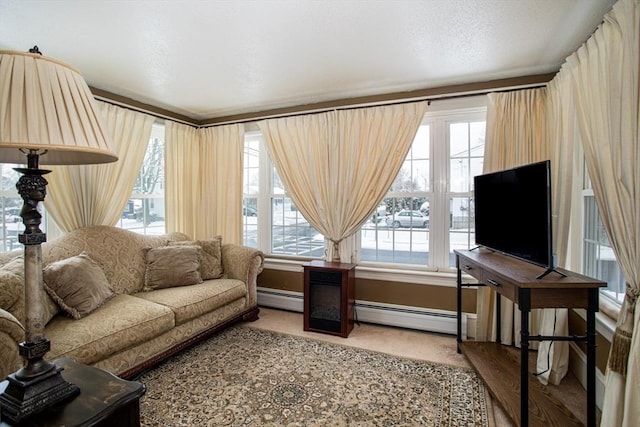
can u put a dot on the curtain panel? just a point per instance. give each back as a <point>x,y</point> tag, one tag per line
<point>519,131</point>
<point>603,76</point>
<point>337,166</point>
<point>222,151</point>
<point>182,169</point>
<point>203,191</point>
<point>86,195</point>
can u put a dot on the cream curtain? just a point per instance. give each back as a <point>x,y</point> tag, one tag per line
<point>563,136</point>
<point>182,190</point>
<point>338,165</point>
<point>203,192</point>
<point>604,73</point>
<point>221,186</point>
<point>85,195</point>
<point>517,134</point>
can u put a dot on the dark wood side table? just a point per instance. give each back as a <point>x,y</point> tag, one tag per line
<point>329,297</point>
<point>104,400</point>
<point>519,281</point>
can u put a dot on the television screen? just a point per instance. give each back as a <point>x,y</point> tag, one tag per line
<point>513,212</point>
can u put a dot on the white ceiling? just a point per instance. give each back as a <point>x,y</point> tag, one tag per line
<point>212,58</point>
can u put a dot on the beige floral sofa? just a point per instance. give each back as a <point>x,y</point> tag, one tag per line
<point>123,302</point>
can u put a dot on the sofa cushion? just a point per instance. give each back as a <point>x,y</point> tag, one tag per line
<point>211,266</point>
<point>189,302</point>
<point>121,323</point>
<point>170,266</point>
<point>12,286</point>
<point>12,292</point>
<point>119,252</point>
<point>77,284</point>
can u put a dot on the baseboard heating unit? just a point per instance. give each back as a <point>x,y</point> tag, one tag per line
<point>431,320</point>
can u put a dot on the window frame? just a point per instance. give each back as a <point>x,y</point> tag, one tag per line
<point>451,110</point>
<point>157,132</point>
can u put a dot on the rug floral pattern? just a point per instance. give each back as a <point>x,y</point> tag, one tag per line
<point>249,377</point>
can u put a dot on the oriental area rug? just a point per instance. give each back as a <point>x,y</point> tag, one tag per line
<point>251,377</point>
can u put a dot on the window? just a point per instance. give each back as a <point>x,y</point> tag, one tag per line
<point>291,234</point>
<point>427,213</point>
<point>398,231</point>
<point>432,192</point>
<point>251,184</point>
<point>144,212</point>
<point>10,205</point>
<point>598,258</point>
<point>283,230</point>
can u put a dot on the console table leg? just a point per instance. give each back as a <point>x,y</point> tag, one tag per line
<point>459,305</point>
<point>498,319</point>
<point>525,302</point>
<point>591,357</point>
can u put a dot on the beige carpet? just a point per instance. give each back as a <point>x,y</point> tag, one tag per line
<point>417,345</point>
<point>247,376</point>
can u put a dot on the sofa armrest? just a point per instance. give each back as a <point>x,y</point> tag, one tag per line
<point>11,333</point>
<point>243,263</point>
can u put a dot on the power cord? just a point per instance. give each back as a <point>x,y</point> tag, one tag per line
<point>555,319</point>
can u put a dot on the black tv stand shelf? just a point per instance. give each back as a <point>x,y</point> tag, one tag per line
<point>518,281</point>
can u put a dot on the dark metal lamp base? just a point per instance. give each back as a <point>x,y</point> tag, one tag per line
<point>25,397</point>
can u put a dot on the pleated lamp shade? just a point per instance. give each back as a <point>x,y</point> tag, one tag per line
<point>46,105</point>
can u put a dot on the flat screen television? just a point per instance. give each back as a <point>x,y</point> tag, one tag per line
<point>513,213</point>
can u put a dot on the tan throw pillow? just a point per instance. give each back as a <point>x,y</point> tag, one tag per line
<point>12,292</point>
<point>77,284</point>
<point>211,266</point>
<point>170,266</point>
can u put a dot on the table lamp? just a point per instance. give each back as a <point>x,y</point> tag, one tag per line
<point>48,116</point>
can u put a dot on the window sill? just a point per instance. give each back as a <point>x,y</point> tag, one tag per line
<point>418,276</point>
<point>605,325</point>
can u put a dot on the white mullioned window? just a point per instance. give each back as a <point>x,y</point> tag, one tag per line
<point>598,259</point>
<point>271,221</point>
<point>144,212</point>
<point>427,212</point>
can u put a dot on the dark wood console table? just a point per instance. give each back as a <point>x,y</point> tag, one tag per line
<point>517,281</point>
<point>104,400</point>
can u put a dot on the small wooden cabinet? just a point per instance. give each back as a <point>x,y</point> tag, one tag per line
<point>329,297</point>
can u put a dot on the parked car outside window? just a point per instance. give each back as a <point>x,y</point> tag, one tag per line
<point>249,211</point>
<point>408,218</point>
<point>381,212</point>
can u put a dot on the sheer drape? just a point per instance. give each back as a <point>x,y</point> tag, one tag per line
<point>203,192</point>
<point>85,195</point>
<point>604,74</point>
<point>338,165</point>
<point>517,134</point>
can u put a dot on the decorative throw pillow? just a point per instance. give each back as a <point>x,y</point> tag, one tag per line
<point>211,266</point>
<point>12,292</point>
<point>77,284</point>
<point>170,266</point>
